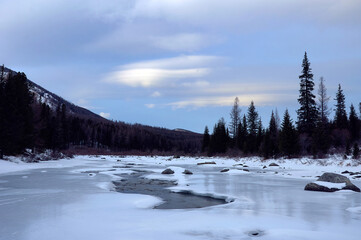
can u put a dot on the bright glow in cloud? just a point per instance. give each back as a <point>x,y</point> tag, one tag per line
<point>162,72</point>
<point>244,100</point>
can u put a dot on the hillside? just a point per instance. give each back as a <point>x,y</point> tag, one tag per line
<point>59,124</point>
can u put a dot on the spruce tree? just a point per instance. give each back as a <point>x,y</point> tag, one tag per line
<point>252,127</point>
<point>307,113</point>
<point>235,119</point>
<point>354,124</point>
<point>206,140</point>
<point>340,114</point>
<point>288,137</point>
<point>323,99</point>
<point>355,151</point>
<point>242,134</point>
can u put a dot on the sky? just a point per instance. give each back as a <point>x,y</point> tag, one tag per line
<point>181,63</point>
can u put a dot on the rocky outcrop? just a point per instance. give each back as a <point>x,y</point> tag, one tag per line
<point>168,171</point>
<point>331,182</point>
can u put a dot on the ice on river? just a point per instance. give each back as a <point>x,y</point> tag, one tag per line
<point>60,200</point>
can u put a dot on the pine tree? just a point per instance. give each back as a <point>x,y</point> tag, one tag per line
<point>307,113</point>
<point>340,114</point>
<point>288,137</point>
<point>323,99</point>
<point>219,138</point>
<point>355,151</point>
<point>242,134</point>
<point>271,138</point>
<point>206,140</point>
<point>354,124</point>
<point>252,127</point>
<point>235,119</point>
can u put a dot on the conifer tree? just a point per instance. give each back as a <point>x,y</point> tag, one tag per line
<point>242,134</point>
<point>270,147</point>
<point>206,140</point>
<point>354,124</point>
<point>219,138</point>
<point>340,114</point>
<point>288,137</point>
<point>323,99</point>
<point>307,113</point>
<point>252,127</point>
<point>235,119</point>
<point>355,151</point>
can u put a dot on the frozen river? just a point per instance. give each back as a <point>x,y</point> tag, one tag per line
<point>77,203</point>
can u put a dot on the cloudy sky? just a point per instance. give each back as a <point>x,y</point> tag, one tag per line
<point>181,63</point>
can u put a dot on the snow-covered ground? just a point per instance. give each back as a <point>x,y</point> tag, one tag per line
<point>73,199</point>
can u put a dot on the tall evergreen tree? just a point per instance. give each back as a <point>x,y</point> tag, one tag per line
<point>288,137</point>
<point>252,127</point>
<point>270,145</point>
<point>340,114</point>
<point>354,124</point>
<point>235,119</point>
<point>307,113</point>
<point>206,140</point>
<point>219,138</point>
<point>242,134</point>
<point>323,99</point>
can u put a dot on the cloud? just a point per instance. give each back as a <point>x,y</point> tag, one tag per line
<point>150,105</point>
<point>161,72</point>
<point>155,94</point>
<point>104,115</point>
<point>221,101</point>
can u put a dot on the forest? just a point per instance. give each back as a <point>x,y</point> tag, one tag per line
<point>314,133</point>
<point>27,122</point>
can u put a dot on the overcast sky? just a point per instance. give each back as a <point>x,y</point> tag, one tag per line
<point>181,63</point>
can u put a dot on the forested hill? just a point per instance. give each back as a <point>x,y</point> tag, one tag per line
<point>33,117</point>
<point>52,100</point>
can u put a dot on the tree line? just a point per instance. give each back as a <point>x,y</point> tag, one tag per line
<point>27,122</point>
<point>314,132</point>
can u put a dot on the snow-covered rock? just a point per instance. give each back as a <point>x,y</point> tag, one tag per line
<point>331,182</point>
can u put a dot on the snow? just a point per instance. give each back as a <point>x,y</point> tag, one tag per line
<point>331,185</point>
<point>59,200</point>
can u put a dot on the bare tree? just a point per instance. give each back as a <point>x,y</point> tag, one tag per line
<point>235,119</point>
<point>323,99</point>
<point>277,120</point>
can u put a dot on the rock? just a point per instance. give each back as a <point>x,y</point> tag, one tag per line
<point>187,172</point>
<point>225,170</point>
<point>168,171</point>
<point>319,188</point>
<point>344,172</point>
<point>274,165</point>
<point>245,166</point>
<point>264,167</point>
<point>331,178</point>
<point>206,163</point>
<point>246,170</point>
<point>176,156</point>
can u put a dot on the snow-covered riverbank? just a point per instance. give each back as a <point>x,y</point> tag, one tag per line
<point>72,199</point>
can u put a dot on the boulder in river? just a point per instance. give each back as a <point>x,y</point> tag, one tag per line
<point>203,163</point>
<point>274,165</point>
<point>187,172</point>
<point>331,182</point>
<point>225,170</point>
<point>168,171</point>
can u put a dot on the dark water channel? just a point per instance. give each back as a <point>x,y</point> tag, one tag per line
<point>137,183</point>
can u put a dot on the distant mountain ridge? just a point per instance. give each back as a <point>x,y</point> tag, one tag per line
<point>81,127</point>
<point>53,100</point>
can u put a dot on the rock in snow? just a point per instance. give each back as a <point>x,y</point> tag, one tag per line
<point>274,165</point>
<point>168,171</point>
<point>225,170</point>
<point>331,182</point>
